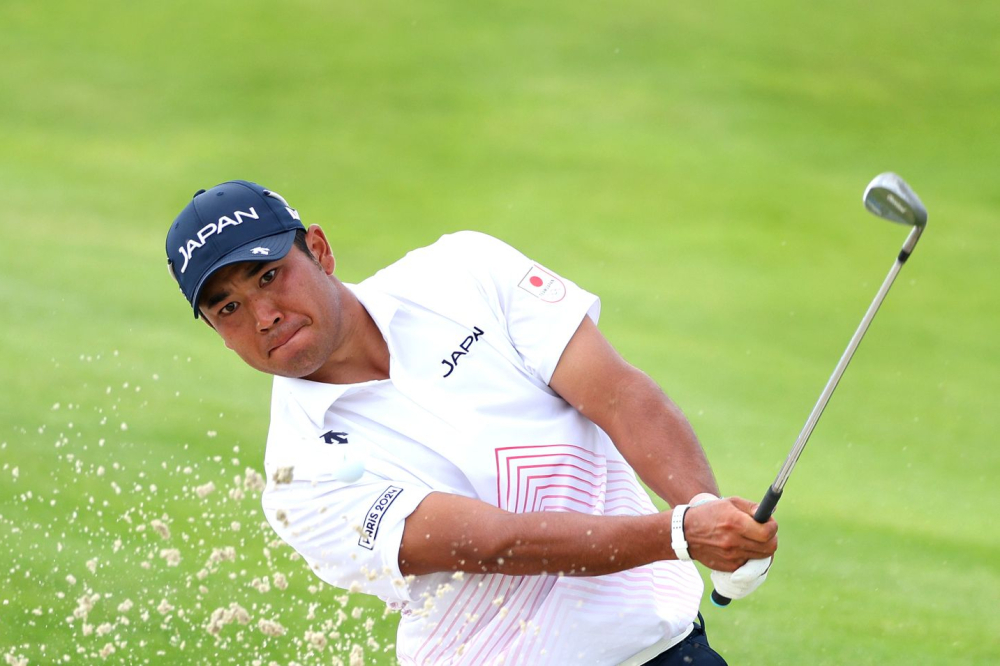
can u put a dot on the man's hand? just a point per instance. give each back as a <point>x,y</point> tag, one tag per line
<point>743,581</point>
<point>723,535</point>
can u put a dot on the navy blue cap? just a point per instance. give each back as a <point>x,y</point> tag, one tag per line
<point>232,222</point>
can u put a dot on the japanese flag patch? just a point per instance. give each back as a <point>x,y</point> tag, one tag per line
<point>543,285</point>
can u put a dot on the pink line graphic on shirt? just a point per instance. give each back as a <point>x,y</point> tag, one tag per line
<point>514,619</point>
<point>584,475</point>
<point>473,600</point>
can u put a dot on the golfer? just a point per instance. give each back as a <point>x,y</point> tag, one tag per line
<point>455,436</point>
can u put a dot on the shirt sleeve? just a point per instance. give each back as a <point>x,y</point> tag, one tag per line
<point>541,309</point>
<point>349,533</point>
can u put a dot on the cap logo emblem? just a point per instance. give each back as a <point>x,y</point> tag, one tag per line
<point>260,250</point>
<point>211,229</point>
<point>291,211</point>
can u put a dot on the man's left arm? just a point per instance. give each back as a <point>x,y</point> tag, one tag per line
<point>656,439</point>
<point>648,429</point>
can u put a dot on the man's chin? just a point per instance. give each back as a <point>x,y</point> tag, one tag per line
<point>293,368</point>
<point>306,372</point>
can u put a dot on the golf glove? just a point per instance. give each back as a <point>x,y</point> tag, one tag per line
<point>743,581</point>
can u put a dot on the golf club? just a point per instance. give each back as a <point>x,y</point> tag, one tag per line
<point>889,197</point>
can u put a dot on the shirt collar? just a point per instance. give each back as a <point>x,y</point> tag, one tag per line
<point>315,398</point>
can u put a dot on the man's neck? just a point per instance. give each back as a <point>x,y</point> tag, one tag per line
<point>364,354</point>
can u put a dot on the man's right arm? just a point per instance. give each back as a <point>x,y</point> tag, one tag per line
<point>452,533</point>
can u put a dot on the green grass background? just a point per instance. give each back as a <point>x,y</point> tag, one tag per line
<point>698,166</point>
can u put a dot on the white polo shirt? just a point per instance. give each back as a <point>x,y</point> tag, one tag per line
<point>475,330</point>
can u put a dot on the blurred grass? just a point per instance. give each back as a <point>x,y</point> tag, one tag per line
<point>698,167</point>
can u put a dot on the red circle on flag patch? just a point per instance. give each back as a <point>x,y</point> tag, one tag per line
<point>535,281</point>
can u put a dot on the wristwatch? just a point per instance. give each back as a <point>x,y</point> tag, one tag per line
<point>677,538</point>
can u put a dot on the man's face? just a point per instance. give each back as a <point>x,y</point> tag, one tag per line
<point>282,317</point>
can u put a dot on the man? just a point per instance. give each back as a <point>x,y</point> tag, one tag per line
<point>455,436</point>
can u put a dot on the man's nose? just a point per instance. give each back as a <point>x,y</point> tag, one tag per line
<point>265,313</point>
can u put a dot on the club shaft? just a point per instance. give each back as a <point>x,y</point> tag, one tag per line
<point>845,359</point>
<point>770,501</point>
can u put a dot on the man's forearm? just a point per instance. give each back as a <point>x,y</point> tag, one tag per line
<point>577,544</point>
<point>453,533</point>
<point>657,440</point>
<point>449,533</point>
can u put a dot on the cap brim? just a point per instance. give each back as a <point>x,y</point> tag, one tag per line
<point>269,248</point>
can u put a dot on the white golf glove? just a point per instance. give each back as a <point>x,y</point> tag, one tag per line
<point>743,581</point>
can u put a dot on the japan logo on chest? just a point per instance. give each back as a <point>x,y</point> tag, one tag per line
<point>463,348</point>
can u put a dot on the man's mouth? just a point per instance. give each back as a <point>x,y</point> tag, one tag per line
<point>283,338</point>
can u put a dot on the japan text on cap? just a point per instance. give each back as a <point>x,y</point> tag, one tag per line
<point>232,222</point>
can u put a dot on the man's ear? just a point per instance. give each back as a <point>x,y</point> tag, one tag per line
<point>320,247</point>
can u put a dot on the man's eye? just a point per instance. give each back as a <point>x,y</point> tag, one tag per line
<point>227,309</point>
<point>268,276</point>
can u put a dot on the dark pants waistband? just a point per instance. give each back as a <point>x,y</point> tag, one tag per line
<point>694,650</point>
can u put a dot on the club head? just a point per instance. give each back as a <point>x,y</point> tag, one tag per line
<point>889,197</point>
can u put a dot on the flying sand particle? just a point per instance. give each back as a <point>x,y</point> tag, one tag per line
<point>271,628</point>
<point>172,556</point>
<point>283,475</point>
<point>161,528</point>
<point>205,490</point>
